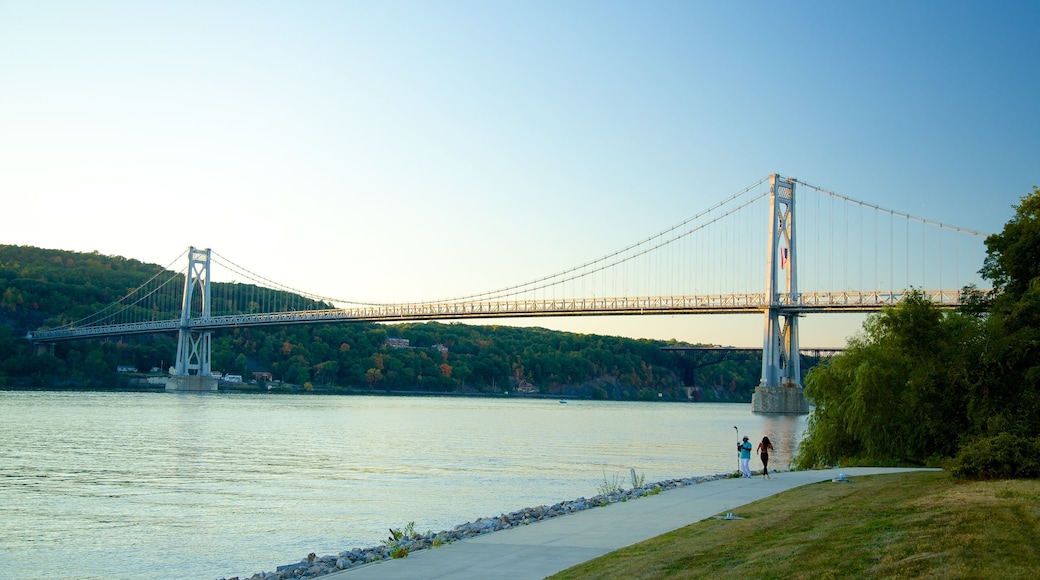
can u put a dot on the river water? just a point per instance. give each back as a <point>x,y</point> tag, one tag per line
<point>175,485</point>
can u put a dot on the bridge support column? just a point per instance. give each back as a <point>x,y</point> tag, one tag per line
<point>43,348</point>
<point>191,383</point>
<point>192,367</point>
<point>780,390</point>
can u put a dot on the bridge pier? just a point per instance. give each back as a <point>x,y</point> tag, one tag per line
<point>191,383</point>
<point>782,400</point>
<point>43,348</point>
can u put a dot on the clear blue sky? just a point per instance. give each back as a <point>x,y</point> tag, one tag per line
<point>416,150</point>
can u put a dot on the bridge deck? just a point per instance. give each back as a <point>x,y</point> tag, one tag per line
<point>849,301</point>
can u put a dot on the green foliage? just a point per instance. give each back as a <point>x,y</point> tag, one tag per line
<point>1013,256</point>
<point>1007,394</point>
<point>1000,456</point>
<point>609,486</point>
<point>398,548</point>
<point>920,385</point>
<point>898,391</point>
<point>41,287</point>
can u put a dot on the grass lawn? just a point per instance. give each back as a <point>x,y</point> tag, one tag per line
<point>906,525</point>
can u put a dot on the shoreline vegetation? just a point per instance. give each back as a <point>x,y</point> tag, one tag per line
<point>405,540</point>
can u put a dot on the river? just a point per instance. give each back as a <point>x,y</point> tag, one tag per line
<point>179,485</point>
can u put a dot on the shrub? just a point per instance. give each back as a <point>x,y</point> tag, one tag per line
<point>1000,456</point>
<point>398,542</point>
<point>610,486</point>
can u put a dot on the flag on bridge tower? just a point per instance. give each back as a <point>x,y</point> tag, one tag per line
<point>783,258</point>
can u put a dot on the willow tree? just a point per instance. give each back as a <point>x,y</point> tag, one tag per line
<point>899,392</point>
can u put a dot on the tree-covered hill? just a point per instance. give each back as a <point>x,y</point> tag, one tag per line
<point>43,287</point>
<point>36,284</point>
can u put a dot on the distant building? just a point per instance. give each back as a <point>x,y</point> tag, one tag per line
<point>126,369</point>
<point>262,376</point>
<point>440,348</point>
<point>397,343</point>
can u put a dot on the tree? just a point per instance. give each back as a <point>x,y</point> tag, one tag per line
<point>1007,396</point>
<point>1013,256</point>
<point>920,385</point>
<point>899,391</point>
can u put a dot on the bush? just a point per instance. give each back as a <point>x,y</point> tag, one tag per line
<point>1001,456</point>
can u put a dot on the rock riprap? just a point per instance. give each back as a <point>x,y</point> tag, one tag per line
<point>401,544</point>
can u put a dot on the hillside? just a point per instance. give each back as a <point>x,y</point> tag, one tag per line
<point>43,287</point>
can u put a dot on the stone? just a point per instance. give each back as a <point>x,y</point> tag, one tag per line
<point>357,556</point>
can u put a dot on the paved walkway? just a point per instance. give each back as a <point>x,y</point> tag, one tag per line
<point>547,547</point>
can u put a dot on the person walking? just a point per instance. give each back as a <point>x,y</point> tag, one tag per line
<point>764,447</point>
<point>744,448</point>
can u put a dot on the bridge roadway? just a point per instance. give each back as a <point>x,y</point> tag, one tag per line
<point>847,301</point>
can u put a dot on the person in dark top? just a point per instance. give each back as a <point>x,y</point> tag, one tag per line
<point>763,452</point>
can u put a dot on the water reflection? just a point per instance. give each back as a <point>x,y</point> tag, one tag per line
<point>221,484</point>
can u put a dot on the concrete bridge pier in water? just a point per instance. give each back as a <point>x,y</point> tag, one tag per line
<point>783,400</point>
<point>193,383</point>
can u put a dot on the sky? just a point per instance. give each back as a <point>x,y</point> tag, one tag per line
<point>407,150</point>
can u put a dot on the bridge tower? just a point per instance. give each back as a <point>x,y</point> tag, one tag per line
<point>780,390</point>
<point>192,368</point>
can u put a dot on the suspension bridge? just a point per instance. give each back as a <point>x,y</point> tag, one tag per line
<point>743,254</point>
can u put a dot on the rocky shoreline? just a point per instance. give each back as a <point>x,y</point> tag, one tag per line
<point>402,542</point>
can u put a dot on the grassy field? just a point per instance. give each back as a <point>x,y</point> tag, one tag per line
<point>908,525</point>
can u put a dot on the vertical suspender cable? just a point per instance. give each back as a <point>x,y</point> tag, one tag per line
<point>845,261</point>
<point>832,249</point>
<point>861,225</point>
<point>749,245</point>
<point>712,254</point>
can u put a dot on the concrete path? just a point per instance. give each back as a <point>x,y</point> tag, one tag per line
<point>545,548</point>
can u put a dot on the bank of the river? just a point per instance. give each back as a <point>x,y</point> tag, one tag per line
<point>140,386</point>
<point>231,483</point>
<point>407,540</point>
